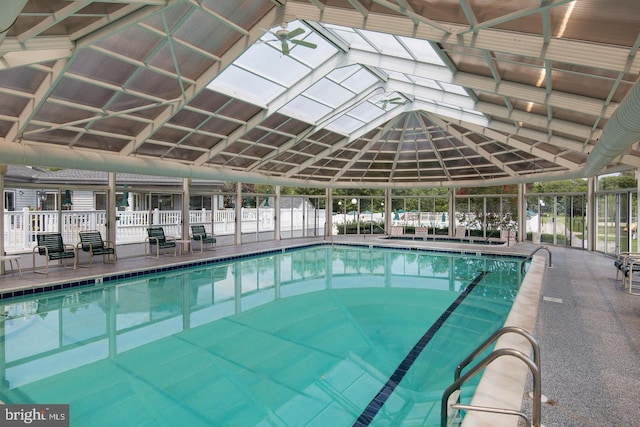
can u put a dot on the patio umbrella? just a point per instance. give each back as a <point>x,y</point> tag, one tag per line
<point>125,198</point>
<point>67,199</point>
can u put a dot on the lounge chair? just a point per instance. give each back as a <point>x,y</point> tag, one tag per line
<point>633,266</point>
<point>51,246</point>
<point>199,234</point>
<point>158,240</point>
<point>92,243</point>
<point>626,264</point>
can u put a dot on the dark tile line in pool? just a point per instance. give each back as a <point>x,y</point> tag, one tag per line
<point>372,409</point>
<point>44,288</point>
<point>128,275</point>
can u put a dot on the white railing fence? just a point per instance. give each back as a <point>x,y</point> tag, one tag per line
<point>21,227</point>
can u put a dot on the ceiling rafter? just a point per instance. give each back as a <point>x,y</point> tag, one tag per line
<point>480,83</point>
<point>580,131</point>
<point>123,22</point>
<point>219,18</point>
<point>364,150</point>
<point>344,142</point>
<point>103,113</point>
<point>40,96</point>
<point>425,129</point>
<point>510,140</point>
<point>183,43</point>
<point>415,18</point>
<point>335,62</point>
<point>544,5</point>
<point>527,45</point>
<point>202,81</point>
<point>472,145</point>
<point>51,20</point>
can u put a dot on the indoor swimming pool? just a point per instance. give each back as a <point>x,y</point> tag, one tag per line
<point>323,335</point>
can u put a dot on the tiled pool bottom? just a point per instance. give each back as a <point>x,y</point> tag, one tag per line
<point>348,305</point>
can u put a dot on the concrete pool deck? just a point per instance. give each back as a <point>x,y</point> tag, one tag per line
<point>586,324</point>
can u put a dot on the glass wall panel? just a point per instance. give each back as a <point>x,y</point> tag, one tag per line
<point>576,221</point>
<point>608,205</point>
<point>475,217</point>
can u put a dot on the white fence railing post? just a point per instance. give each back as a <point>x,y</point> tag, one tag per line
<point>26,228</point>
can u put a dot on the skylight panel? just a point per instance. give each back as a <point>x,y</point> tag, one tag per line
<point>239,83</point>
<point>366,112</point>
<point>305,109</point>
<point>341,74</point>
<point>314,57</point>
<point>344,125</point>
<point>263,71</point>
<point>360,81</point>
<point>269,63</point>
<point>351,37</point>
<point>432,84</point>
<point>454,88</point>
<point>422,50</point>
<point>386,44</point>
<point>329,93</point>
<point>401,76</point>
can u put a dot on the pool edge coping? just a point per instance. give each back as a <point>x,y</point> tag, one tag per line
<point>503,383</point>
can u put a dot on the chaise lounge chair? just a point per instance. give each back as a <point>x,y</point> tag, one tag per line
<point>92,243</point>
<point>51,246</point>
<point>199,234</point>
<point>158,240</point>
<point>626,264</point>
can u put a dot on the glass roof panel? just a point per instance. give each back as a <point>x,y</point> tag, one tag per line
<point>269,63</point>
<point>454,88</point>
<point>328,93</point>
<point>305,109</point>
<point>422,50</point>
<point>403,77</point>
<point>386,44</point>
<point>263,72</point>
<point>312,57</point>
<point>242,84</point>
<point>345,125</point>
<point>360,81</point>
<point>342,73</point>
<point>351,37</point>
<point>426,82</point>
<point>366,112</point>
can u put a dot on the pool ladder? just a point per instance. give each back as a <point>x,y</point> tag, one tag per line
<point>459,380</point>
<point>530,256</point>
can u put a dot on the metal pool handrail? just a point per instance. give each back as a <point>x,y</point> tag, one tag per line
<point>530,256</point>
<point>459,380</point>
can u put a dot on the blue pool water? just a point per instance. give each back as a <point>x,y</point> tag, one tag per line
<point>306,337</point>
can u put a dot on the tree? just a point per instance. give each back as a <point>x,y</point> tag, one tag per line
<point>624,180</point>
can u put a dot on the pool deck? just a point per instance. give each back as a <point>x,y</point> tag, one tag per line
<point>587,325</point>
